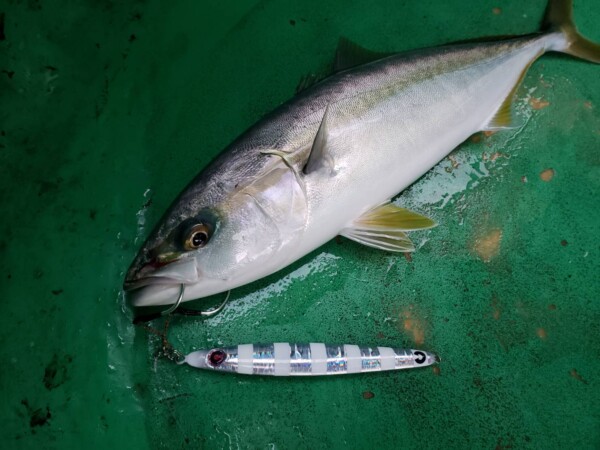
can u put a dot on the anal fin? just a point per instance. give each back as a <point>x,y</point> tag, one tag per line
<point>505,115</point>
<point>384,228</point>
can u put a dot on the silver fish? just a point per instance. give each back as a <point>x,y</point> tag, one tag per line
<point>329,161</point>
<point>284,359</point>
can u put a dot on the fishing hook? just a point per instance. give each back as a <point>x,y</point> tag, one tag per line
<point>175,309</point>
<point>209,313</point>
<point>175,305</point>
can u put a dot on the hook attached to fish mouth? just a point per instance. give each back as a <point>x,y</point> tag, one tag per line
<point>183,311</point>
<point>175,305</point>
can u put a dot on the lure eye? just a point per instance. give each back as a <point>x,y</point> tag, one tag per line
<point>196,237</point>
<point>216,358</point>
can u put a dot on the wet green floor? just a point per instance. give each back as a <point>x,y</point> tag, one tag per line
<point>108,109</point>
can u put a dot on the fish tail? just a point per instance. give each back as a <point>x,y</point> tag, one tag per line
<point>559,18</point>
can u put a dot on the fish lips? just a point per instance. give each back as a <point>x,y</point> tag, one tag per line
<point>182,271</point>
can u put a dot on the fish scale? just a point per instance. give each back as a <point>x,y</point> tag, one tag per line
<point>338,152</point>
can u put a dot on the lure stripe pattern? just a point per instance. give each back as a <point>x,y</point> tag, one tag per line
<point>284,359</point>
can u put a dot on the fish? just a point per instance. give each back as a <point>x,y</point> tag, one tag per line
<point>329,161</point>
<point>285,359</point>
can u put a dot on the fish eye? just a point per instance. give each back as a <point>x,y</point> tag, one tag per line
<point>197,237</point>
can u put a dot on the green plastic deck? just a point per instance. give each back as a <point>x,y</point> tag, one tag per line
<point>108,109</point>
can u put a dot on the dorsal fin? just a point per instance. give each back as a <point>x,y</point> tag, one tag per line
<point>350,54</point>
<point>319,158</point>
<point>307,81</point>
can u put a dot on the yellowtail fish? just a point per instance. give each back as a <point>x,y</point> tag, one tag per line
<point>329,161</point>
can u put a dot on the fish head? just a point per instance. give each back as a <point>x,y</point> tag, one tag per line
<point>213,246</point>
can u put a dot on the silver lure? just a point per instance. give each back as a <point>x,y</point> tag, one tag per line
<point>285,359</point>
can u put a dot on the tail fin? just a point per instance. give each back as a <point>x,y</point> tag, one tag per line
<point>559,17</point>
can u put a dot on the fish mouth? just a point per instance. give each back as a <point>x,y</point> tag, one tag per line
<point>182,271</point>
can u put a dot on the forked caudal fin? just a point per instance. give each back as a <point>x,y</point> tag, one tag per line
<point>558,20</point>
<point>559,17</point>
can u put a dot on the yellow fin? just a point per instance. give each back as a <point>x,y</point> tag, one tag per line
<point>396,241</point>
<point>391,217</point>
<point>504,117</point>
<point>384,228</point>
<point>559,17</point>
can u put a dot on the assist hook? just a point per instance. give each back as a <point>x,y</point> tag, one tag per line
<point>175,309</point>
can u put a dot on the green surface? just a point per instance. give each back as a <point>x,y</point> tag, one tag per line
<point>107,109</point>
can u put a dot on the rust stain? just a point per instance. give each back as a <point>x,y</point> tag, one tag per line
<point>408,256</point>
<point>476,138</point>
<point>414,326</point>
<point>497,155</point>
<point>577,376</point>
<point>547,174</point>
<point>436,370</point>
<point>588,105</point>
<point>488,246</point>
<point>564,243</point>
<point>538,103</point>
<point>497,11</point>
<point>496,311</point>
<point>541,333</point>
<point>488,133</point>
<point>552,307</point>
<point>455,164</point>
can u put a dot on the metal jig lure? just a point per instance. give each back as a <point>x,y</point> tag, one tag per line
<point>284,359</point>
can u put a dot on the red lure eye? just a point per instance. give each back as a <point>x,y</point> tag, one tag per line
<point>216,357</point>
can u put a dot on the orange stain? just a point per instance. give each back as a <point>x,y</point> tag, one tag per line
<point>497,11</point>
<point>538,103</point>
<point>414,326</point>
<point>436,370</point>
<point>547,175</point>
<point>488,246</point>
<point>497,155</point>
<point>541,333</point>
<point>455,163</point>
<point>497,312</point>
<point>577,376</point>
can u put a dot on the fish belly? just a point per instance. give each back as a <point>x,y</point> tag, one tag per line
<point>383,140</point>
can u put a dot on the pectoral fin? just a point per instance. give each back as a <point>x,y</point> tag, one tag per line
<point>319,158</point>
<point>384,228</point>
